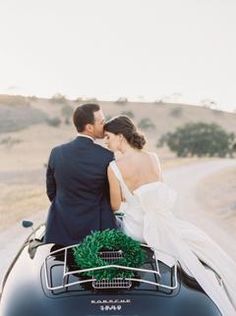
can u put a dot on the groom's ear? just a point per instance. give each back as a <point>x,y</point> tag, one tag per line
<point>88,128</point>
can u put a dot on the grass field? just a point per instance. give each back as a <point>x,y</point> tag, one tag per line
<point>27,134</point>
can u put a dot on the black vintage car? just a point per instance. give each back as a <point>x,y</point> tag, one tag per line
<point>44,281</point>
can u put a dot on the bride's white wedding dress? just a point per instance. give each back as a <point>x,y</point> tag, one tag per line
<point>149,218</point>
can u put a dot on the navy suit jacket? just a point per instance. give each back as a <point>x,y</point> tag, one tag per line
<point>77,187</point>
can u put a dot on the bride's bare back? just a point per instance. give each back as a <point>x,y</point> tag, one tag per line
<point>139,168</point>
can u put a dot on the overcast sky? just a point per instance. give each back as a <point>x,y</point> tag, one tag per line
<point>185,49</point>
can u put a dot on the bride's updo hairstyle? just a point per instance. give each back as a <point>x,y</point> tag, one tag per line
<point>123,125</point>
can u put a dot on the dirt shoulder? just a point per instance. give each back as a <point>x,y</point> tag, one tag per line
<point>217,193</point>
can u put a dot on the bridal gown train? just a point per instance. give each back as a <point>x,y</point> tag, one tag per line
<point>148,218</point>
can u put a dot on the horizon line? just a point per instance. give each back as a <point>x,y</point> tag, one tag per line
<point>212,105</point>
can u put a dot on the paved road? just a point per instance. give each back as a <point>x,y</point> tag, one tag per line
<point>184,180</point>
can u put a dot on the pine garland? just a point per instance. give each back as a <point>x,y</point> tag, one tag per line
<point>86,255</point>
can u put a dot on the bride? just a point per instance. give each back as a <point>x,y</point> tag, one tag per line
<point>135,181</point>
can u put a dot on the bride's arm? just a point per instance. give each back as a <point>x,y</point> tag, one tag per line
<point>115,191</point>
<point>158,165</point>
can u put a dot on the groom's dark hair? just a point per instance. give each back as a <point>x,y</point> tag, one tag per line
<point>84,114</point>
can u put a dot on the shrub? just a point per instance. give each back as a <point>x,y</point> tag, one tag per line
<point>55,121</point>
<point>208,103</point>
<point>58,99</point>
<point>33,98</point>
<point>130,114</point>
<point>67,112</point>
<point>10,141</point>
<point>158,102</point>
<point>199,139</point>
<point>146,123</point>
<point>78,100</point>
<point>176,112</point>
<point>217,112</point>
<point>122,101</point>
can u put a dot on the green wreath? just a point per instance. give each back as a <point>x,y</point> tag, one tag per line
<point>86,255</point>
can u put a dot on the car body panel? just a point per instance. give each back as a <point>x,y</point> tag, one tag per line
<point>25,293</point>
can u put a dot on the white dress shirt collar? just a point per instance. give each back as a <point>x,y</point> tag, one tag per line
<point>87,136</point>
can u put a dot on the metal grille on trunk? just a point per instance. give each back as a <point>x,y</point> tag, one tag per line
<point>111,257</point>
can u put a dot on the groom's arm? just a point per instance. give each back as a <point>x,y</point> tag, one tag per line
<point>114,188</point>
<point>50,179</point>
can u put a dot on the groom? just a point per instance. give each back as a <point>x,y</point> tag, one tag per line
<point>77,184</point>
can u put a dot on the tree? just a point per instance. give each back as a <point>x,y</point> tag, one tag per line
<point>200,139</point>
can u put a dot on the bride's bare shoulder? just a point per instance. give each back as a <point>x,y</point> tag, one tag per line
<point>125,162</point>
<point>153,154</point>
<point>121,161</point>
